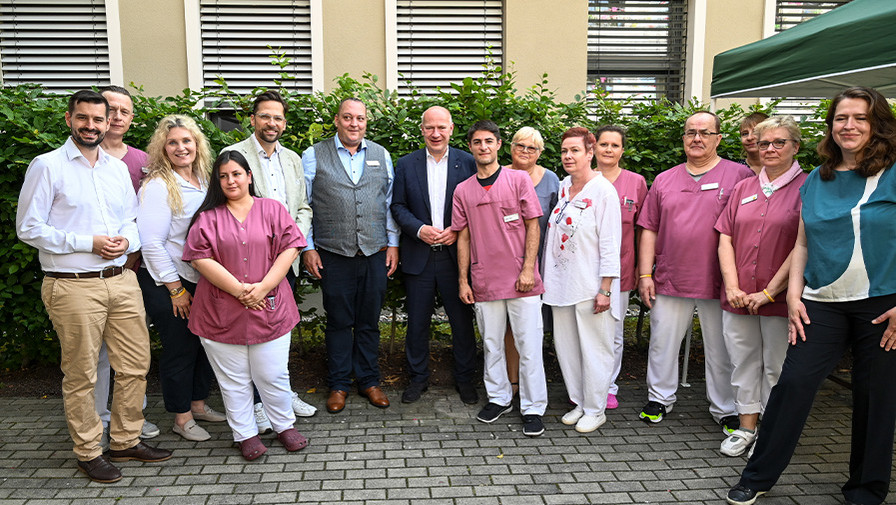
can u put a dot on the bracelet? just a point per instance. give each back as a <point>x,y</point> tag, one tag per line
<point>765,292</point>
<point>179,292</point>
<point>645,276</point>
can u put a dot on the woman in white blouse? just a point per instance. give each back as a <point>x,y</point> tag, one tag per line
<point>581,280</point>
<point>176,183</point>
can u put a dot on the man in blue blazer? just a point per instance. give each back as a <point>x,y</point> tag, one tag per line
<point>421,205</point>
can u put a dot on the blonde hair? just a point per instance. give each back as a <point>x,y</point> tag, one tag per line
<point>159,166</point>
<point>527,132</point>
<point>785,122</point>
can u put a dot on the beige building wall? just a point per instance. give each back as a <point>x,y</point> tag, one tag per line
<point>552,40</point>
<point>729,24</point>
<point>354,33</point>
<point>154,46</point>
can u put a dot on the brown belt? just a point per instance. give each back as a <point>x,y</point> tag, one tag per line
<point>102,274</point>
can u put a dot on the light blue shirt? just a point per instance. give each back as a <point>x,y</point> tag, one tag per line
<point>354,168</point>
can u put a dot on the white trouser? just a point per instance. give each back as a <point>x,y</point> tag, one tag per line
<point>237,367</point>
<point>618,341</point>
<point>669,321</point>
<point>757,346</point>
<point>528,334</point>
<point>584,343</point>
<point>103,382</point>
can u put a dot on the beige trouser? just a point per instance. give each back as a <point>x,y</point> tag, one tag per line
<point>85,313</point>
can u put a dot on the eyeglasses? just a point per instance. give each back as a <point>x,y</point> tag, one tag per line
<point>778,143</point>
<point>267,117</point>
<point>523,148</point>
<point>689,134</point>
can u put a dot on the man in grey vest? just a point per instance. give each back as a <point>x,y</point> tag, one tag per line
<point>277,175</point>
<point>352,249</point>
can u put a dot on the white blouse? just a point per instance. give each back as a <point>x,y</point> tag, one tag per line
<point>582,245</point>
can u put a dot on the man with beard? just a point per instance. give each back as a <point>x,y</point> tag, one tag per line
<point>495,216</point>
<point>278,175</point>
<point>78,208</point>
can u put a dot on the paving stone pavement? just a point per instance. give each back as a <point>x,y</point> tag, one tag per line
<point>431,452</point>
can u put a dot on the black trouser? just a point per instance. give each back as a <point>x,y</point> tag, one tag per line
<point>184,370</point>
<point>834,327</point>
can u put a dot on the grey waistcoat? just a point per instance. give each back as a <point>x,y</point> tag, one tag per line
<point>346,217</point>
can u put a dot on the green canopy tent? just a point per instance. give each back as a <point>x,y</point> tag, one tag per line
<point>854,44</point>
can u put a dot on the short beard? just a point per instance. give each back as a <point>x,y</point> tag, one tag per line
<point>81,142</point>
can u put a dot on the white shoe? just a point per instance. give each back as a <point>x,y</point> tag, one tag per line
<point>261,419</point>
<point>301,408</point>
<point>737,442</point>
<point>209,415</point>
<point>149,430</point>
<point>192,431</point>
<point>589,423</point>
<point>573,416</point>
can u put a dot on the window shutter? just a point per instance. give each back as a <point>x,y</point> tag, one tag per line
<point>60,44</point>
<point>636,48</point>
<point>444,41</point>
<point>235,39</point>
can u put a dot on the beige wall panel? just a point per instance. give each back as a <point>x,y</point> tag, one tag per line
<point>547,37</point>
<point>354,39</point>
<point>729,24</point>
<point>153,45</point>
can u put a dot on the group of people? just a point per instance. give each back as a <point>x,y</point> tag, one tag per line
<point>217,246</point>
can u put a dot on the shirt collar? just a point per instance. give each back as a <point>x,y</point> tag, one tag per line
<point>260,149</point>
<point>72,152</point>
<point>429,155</point>
<point>339,145</point>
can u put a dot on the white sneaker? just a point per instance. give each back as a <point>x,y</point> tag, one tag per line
<point>589,423</point>
<point>573,416</point>
<point>149,430</point>
<point>261,419</point>
<point>737,442</point>
<point>301,408</point>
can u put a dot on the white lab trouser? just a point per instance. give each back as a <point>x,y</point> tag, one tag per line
<point>528,335</point>
<point>669,321</point>
<point>237,367</point>
<point>757,346</point>
<point>584,343</point>
<point>618,342</point>
<point>103,386</point>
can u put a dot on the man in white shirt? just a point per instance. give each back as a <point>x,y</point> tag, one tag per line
<point>78,208</point>
<point>277,175</point>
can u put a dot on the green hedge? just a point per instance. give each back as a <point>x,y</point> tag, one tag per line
<point>33,123</point>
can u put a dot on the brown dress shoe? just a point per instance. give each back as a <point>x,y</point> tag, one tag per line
<point>140,452</point>
<point>336,401</point>
<point>376,396</point>
<point>100,470</point>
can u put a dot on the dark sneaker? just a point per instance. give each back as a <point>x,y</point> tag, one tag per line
<point>654,412</point>
<point>740,495</point>
<point>492,411</point>
<point>729,424</point>
<point>532,426</point>
<point>467,393</point>
<point>413,392</point>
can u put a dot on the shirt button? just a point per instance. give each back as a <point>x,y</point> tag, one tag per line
<point>754,262</point>
<point>244,242</point>
<point>247,259</point>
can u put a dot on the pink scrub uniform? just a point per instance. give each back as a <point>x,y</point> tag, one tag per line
<point>632,190</point>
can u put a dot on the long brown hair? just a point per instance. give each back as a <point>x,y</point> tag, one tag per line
<point>880,151</point>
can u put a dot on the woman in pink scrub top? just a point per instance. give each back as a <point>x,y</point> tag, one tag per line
<point>758,230</point>
<point>631,188</point>
<point>244,310</point>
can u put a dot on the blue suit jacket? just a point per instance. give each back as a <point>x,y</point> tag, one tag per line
<point>410,202</point>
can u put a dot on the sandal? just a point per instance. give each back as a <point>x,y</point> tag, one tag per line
<point>252,448</point>
<point>292,440</point>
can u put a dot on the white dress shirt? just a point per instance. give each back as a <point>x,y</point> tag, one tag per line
<point>272,171</point>
<point>163,233</point>
<point>437,180</point>
<point>64,202</point>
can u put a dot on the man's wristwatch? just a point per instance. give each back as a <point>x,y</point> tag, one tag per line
<point>604,292</point>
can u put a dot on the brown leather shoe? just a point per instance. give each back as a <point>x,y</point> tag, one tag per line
<point>376,396</point>
<point>140,452</point>
<point>336,401</point>
<point>100,470</point>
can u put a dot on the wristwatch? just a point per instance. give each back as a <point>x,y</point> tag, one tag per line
<point>604,292</point>
<point>176,291</point>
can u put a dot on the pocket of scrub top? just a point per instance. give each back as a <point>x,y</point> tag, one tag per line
<point>511,210</point>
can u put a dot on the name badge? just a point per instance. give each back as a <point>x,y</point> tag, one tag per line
<point>749,199</point>
<point>373,163</point>
<point>512,217</point>
<point>709,186</point>
<point>579,204</point>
